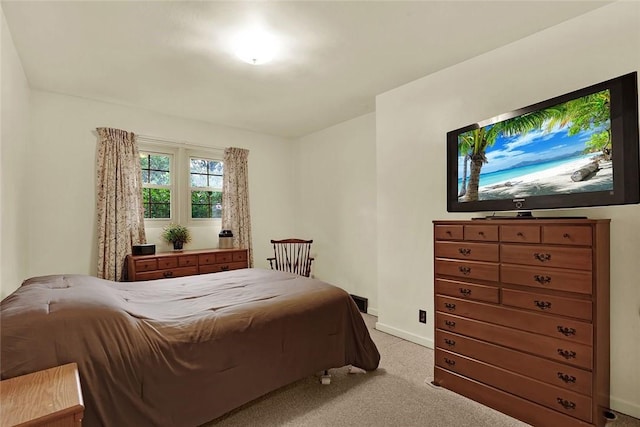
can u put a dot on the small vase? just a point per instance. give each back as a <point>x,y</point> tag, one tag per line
<point>177,246</point>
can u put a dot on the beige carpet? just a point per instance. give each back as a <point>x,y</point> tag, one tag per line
<point>397,394</point>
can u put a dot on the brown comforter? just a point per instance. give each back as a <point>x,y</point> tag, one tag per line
<point>183,351</point>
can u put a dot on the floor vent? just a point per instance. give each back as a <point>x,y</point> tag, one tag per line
<point>361,302</point>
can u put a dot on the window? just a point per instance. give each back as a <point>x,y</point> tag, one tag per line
<point>205,181</point>
<point>156,185</point>
<point>181,185</point>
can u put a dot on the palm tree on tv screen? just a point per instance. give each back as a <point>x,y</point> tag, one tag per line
<point>465,144</point>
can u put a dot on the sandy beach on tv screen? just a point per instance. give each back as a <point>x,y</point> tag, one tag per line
<point>555,180</point>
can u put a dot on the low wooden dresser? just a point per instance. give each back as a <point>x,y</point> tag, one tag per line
<point>522,317</point>
<point>51,398</point>
<point>184,263</point>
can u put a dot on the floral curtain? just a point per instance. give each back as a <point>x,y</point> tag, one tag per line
<point>119,201</point>
<point>235,198</point>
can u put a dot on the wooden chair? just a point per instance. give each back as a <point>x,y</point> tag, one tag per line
<point>292,255</point>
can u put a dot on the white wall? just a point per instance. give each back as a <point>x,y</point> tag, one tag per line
<point>61,203</point>
<point>412,122</point>
<point>335,204</point>
<point>14,140</point>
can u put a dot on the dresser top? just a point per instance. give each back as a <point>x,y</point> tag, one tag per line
<point>41,395</point>
<point>186,252</point>
<point>528,221</point>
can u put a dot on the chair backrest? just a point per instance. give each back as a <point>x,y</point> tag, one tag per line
<point>292,255</point>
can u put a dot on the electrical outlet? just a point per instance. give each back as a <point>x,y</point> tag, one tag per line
<point>422,316</point>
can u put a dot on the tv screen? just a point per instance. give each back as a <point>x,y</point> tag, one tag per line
<point>575,150</point>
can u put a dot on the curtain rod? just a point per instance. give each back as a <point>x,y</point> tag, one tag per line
<point>167,141</point>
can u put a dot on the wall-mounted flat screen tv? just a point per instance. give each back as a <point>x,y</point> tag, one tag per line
<point>575,150</point>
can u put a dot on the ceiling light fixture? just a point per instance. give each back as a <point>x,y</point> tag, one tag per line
<point>255,47</point>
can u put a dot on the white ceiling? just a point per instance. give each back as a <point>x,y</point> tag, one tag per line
<point>172,56</point>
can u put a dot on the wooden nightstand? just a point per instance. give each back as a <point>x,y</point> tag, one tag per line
<point>51,398</point>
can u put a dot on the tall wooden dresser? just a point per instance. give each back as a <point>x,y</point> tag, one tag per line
<point>522,317</point>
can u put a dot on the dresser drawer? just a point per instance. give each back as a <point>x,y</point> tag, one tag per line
<point>146,264</point>
<point>486,233</point>
<point>167,262</point>
<point>567,235</point>
<point>547,278</point>
<point>224,257</point>
<point>188,261</point>
<point>216,268</point>
<point>548,371</point>
<point>467,251</point>
<point>467,269</point>
<point>239,256</point>
<point>520,233</point>
<point>550,304</point>
<point>467,290</point>
<point>449,232</point>
<point>523,409</point>
<point>547,256</point>
<point>556,398</point>
<point>207,259</point>
<point>166,274</point>
<point>572,353</point>
<point>552,326</point>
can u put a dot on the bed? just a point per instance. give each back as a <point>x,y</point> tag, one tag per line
<point>183,351</point>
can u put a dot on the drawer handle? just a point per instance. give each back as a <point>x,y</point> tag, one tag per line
<point>481,233</point>
<point>465,292</point>
<point>464,270</point>
<point>450,343</point>
<point>519,234</point>
<point>168,274</point>
<point>464,251</point>
<point>567,378</point>
<point>566,404</point>
<point>542,257</point>
<point>448,233</point>
<point>449,361</point>
<point>450,306</point>
<point>566,331</point>
<point>543,305</point>
<point>543,280</point>
<point>567,354</point>
<point>224,268</point>
<point>566,235</point>
<point>450,323</point>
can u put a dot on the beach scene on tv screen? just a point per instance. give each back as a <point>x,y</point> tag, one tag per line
<point>561,149</point>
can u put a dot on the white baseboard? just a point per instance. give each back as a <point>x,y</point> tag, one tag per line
<point>625,407</point>
<point>425,342</point>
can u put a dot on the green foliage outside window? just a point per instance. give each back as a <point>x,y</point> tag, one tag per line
<point>156,171</point>
<point>206,183</point>
<point>206,204</point>
<point>157,202</point>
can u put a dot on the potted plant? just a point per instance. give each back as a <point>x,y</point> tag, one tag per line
<point>176,234</point>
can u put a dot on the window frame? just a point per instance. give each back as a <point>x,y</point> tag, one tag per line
<point>201,156</point>
<point>180,155</point>
<point>172,186</point>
